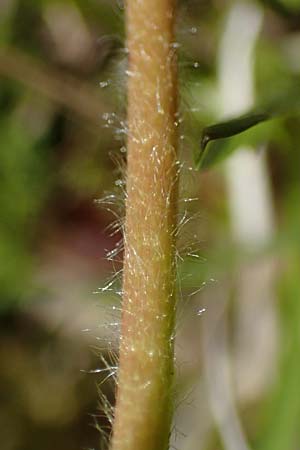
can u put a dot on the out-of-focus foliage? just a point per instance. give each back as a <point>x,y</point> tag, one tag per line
<point>23,189</point>
<point>62,137</point>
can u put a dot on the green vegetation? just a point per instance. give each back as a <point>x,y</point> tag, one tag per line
<point>63,137</point>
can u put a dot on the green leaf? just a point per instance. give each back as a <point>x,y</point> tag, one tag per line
<point>223,130</point>
<point>215,145</point>
<point>231,127</point>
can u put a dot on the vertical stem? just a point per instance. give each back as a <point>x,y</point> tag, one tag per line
<point>144,404</point>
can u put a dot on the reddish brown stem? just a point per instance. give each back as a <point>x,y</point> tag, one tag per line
<point>144,398</point>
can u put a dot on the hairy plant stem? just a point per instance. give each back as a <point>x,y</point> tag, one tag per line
<point>144,397</point>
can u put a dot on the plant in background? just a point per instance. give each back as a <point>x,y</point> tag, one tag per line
<point>53,150</point>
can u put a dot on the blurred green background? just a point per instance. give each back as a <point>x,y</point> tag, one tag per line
<point>62,138</point>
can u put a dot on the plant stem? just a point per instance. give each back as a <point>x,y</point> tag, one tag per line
<point>144,397</point>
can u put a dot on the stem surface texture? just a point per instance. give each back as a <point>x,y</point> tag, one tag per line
<point>145,379</point>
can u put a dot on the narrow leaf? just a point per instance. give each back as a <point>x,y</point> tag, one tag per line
<point>286,102</point>
<point>227,129</point>
<point>231,127</point>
